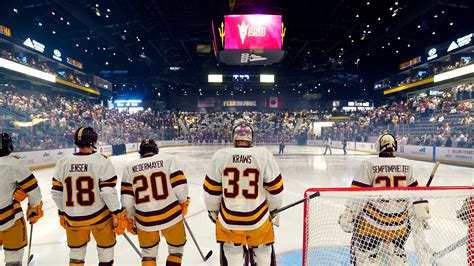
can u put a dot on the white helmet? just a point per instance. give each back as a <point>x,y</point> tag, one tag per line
<point>243,130</point>
<point>385,142</point>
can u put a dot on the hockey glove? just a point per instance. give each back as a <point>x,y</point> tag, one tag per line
<point>422,210</point>
<point>62,219</point>
<point>184,206</point>
<point>120,221</point>
<point>347,221</point>
<point>463,213</point>
<point>20,195</point>
<point>33,214</point>
<point>131,226</point>
<point>213,216</point>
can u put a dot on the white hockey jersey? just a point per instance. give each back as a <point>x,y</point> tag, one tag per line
<point>14,173</point>
<point>382,213</point>
<point>84,189</point>
<point>152,190</point>
<point>243,185</point>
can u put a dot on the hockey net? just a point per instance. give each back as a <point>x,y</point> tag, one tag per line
<point>386,229</point>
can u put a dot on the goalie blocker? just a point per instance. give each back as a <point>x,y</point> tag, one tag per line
<point>330,236</point>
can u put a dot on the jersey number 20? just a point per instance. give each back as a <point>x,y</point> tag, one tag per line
<point>152,181</point>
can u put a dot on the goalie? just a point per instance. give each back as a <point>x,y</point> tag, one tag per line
<point>380,227</point>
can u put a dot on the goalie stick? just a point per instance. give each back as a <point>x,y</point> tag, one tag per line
<point>433,172</point>
<point>448,249</point>
<point>274,212</point>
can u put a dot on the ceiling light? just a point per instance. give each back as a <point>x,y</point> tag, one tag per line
<point>61,18</point>
<point>396,3</point>
<point>86,50</point>
<point>391,8</point>
<point>433,33</point>
<point>419,26</point>
<point>143,48</point>
<point>77,45</point>
<point>368,54</point>
<point>368,26</point>
<point>357,15</point>
<point>451,24</point>
<point>442,12</point>
<point>67,23</point>
<point>54,32</point>
<point>103,48</point>
<point>108,10</point>
<point>379,19</point>
<point>368,3</point>
<point>96,5</point>
<point>40,24</point>
<point>15,10</point>
<point>398,38</point>
<point>352,40</point>
<point>435,16</point>
<point>383,47</point>
<point>52,13</point>
<point>388,44</point>
<point>396,51</point>
<point>106,16</point>
<point>408,45</point>
<point>113,53</point>
<point>106,63</point>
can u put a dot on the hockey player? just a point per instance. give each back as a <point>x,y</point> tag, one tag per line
<point>155,195</point>
<point>84,192</point>
<point>380,227</point>
<point>16,183</point>
<point>242,187</point>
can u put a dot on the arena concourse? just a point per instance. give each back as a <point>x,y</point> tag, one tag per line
<point>318,82</point>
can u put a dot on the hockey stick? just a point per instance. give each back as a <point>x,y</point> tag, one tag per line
<point>433,172</point>
<point>209,254</point>
<point>30,256</point>
<point>133,245</point>
<point>448,249</point>
<point>274,212</point>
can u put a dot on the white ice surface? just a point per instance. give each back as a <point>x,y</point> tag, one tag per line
<point>301,167</point>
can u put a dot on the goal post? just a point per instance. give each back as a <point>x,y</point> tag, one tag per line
<point>344,226</point>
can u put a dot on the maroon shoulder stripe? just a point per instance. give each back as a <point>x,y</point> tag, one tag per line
<point>114,178</point>
<point>179,182</point>
<point>57,188</point>
<point>276,191</point>
<point>30,188</point>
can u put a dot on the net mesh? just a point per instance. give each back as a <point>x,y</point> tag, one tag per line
<point>387,227</point>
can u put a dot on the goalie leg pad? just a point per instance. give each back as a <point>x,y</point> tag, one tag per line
<point>14,256</point>
<point>232,254</point>
<point>78,254</point>
<point>396,253</point>
<point>347,220</point>
<point>263,255</point>
<point>366,250</point>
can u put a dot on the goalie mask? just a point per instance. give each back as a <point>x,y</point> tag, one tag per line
<point>6,144</point>
<point>387,143</point>
<point>243,130</point>
<point>85,137</point>
<point>148,146</point>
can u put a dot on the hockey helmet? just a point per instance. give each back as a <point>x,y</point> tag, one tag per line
<point>6,144</point>
<point>243,130</point>
<point>85,137</point>
<point>148,145</point>
<point>386,143</point>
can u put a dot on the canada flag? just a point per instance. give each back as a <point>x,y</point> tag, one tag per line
<point>273,102</point>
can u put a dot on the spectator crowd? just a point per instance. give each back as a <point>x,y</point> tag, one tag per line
<point>49,121</point>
